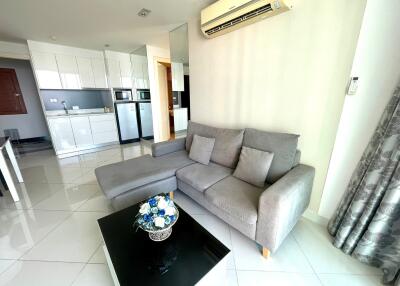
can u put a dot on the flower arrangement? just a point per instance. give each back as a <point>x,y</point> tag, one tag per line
<point>156,214</point>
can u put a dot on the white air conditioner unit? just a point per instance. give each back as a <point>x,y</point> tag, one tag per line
<point>227,15</point>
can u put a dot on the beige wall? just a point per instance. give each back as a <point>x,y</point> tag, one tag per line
<point>377,50</point>
<point>287,73</point>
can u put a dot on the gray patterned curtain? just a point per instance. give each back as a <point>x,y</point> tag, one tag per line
<point>367,221</point>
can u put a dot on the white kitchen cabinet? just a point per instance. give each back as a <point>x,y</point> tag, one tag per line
<point>82,131</point>
<point>140,71</point>
<point>119,69</point>
<point>86,74</point>
<point>145,71</point>
<point>92,72</point>
<point>126,72</point>
<point>114,73</point>
<point>99,73</point>
<point>180,119</point>
<point>62,134</point>
<point>104,129</point>
<point>177,77</point>
<point>69,73</point>
<point>46,70</point>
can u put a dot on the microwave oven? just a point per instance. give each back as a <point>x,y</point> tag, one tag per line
<point>123,94</point>
<point>143,94</point>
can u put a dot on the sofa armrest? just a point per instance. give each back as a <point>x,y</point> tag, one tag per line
<point>281,205</point>
<point>166,147</point>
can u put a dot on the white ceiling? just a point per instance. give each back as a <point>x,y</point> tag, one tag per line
<point>94,23</point>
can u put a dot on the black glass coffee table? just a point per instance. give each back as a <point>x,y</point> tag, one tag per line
<point>191,255</point>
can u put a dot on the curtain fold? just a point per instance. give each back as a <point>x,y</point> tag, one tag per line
<point>366,224</point>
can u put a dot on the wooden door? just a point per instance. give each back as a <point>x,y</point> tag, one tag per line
<point>11,100</point>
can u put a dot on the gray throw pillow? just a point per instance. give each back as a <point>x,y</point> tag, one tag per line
<point>253,166</point>
<point>201,149</point>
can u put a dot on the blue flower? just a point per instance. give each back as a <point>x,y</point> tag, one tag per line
<point>153,202</point>
<point>172,217</point>
<point>161,212</point>
<point>147,218</point>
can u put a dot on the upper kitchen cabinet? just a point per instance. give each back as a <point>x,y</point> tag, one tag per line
<point>99,72</point>
<point>63,67</point>
<point>85,72</point>
<point>179,50</point>
<point>119,69</point>
<point>178,80</point>
<point>46,70</point>
<point>68,69</point>
<point>140,68</point>
<point>92,72</point>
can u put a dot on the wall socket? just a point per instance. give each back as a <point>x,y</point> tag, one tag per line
<point>54,100</point>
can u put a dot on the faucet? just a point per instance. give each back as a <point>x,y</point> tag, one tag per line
<point>65,106</point>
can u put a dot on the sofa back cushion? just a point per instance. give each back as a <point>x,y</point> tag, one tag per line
<point>228,142</point>
<point>282,145</point>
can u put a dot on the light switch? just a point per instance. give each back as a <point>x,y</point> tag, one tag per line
<point>353,85</point>
<point>53,100</point>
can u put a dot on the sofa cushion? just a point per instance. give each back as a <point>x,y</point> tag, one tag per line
<point>236,197</point>
<point>118,178</point>
<point>175,160</point>
<point>201,176</point>
<point>281,144</point>
<point>253,166</point>
<point>201,149</point>
<point>228,142</point>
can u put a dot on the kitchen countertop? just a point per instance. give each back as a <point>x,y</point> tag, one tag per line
<point>79,114</point>
<point>75,113</point>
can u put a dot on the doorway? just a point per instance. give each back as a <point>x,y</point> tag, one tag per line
<point>166,100</point>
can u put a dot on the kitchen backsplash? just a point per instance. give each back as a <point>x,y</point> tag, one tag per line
<point>85,99</point>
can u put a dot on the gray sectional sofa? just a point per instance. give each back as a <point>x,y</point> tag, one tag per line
<point>265,215</point>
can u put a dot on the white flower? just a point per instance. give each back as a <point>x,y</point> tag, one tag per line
<point>170,211</point>
<point>145,208</point>
<point>159,222</point>
<point>162,204</point>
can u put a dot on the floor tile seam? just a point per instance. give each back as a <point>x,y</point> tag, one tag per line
<point>305,255</point>
<point>233,255</point>
<point>349,274</point>
<point>78,274</point>
<point>46,235</point>
<point>52,261</point>
<point>9,266</point>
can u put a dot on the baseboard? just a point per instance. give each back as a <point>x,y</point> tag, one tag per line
<point>31,140</point>
<point>314,217</point>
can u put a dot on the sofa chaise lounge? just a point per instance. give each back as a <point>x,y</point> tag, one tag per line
<point>266,214</point>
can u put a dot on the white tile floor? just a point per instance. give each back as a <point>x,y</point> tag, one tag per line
<point>51,236</point>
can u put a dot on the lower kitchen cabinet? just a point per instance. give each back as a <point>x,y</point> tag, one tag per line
<point>82,131</point>
<point>104,129</point>
<point>62,134</point>
<point>73,133</point>
<point>180,119</point>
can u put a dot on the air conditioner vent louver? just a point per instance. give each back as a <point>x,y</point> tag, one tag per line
<point>262,10</point>
<point>224,16</point>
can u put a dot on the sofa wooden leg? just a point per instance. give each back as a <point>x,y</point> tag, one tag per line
<point>171,195</point>
<point>265,252</point>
